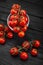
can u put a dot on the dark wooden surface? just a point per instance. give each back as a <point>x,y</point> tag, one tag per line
<point>35,31</point>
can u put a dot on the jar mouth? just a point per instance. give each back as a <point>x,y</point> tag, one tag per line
<point>11,27</point>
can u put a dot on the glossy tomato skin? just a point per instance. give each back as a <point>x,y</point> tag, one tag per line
<point>10,35</point>
<point>16,29</point>
<point>14,51</point>
<point>2,40</point>
<point>24,28</point>
<point>13,11</point>
<point>36,43</point>
<point>34,52</point>
<point>21,34</point>
<point>7,29</point>
<point>23,12</point>
<point>24,18</point>
<point>1,27</point>
<point>26,45</point>
<point>13,23</point>
<point>22,23</point>
<point>16,6</point>
<point>23,56</point>
<point>1,33</point>
<point>13,17</point>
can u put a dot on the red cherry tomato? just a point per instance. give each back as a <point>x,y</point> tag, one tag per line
<point>24,28</point>
<point>1,27</point>
<point>16,29</point>
<point>26,45</point>
<point>23,12</point>
<point>36,43</point>
<point>23,56</point>
<point>22,23</point>
<point>1,33</point>
<point>13,11</point>
<point>13,23</point>
<point>2,40</point>
<point>10,35</point>
<point>21,34</point>
<point>15,6</point>
<point>14,51</point>
<point>13,17</point>
<point>7,29</point>
<point>34,52</point>
<point>24,18</point>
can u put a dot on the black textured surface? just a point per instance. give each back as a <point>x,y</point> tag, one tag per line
<point>35,31</point>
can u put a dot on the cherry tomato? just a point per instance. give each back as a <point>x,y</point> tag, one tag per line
<point>34,52</point>
<point>14,51</point>
<point>24,28</point>
<point>21,34</point>
<point>7,29</point>
<point>13,17</point>
<point>16,29</point>
<point>36,43</point>
<point>10,35</point>
<point>1,27</point>
<point>24,18</point>
<point>26,45</point>
<point>2,40</point>
<point>16,6</point>
<point>13,23</point>
<point>13,11</point>
<point>22,23</point>
<point>23,12</point>
<point>1,33</point>
<point>16,16</point>
<point>24,56</point>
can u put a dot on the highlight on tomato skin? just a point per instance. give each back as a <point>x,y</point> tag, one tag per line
<point>16,29</point>
<point>24,28</point>
<point>24,18</point>
<point>14,51</point>
<point>23,12</point>
<point>34,52</point>
<point>1,33</point>
<point>13,11</point>
<point>21,34</point>
<point>16,6</point>
<point>13,17</point>
<point>10,35</point>
<point>26,45</point>
<point>2,40</point>
<point>7,29</point>
<point>2,27</point>
<point>36,43</point>
<point>13,23</point>
<point>23,56</point>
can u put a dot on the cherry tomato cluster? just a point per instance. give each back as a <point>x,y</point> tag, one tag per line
<point>18,20</point>
<point>5,31</point>
<point>32,45</point>
<point>2,38</point>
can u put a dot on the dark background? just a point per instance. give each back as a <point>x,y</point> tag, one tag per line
<point>35,31</point>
